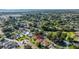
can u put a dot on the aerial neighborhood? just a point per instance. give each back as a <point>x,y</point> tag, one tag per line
<point>39,29</point>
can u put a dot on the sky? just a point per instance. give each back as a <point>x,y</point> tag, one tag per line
<point>39,4</point>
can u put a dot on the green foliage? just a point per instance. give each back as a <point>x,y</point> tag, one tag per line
<point>71,36</point>
<point>72,47</point>
<point>32,40</point>
<point>24,37</point>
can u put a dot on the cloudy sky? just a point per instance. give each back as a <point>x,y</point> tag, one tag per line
<point>39,4</point>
